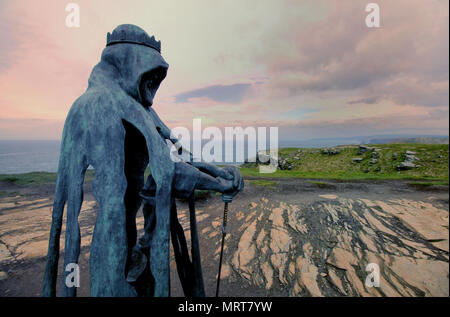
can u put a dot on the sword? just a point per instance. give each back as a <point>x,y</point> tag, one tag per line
<point>226,199</point>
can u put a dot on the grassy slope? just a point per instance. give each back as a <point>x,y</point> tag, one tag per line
<point>433,164</point>
<point>315,165</point>
<point>37,177</point>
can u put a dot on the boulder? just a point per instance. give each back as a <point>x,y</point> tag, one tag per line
<point>331,151</point>
<point>357,160</point>
<point>411,158</point>
<point>363,149</point>
<point>406,166</point>
<point>265,159</point>
<point>373,161</point>
<point>283,164</point>
<point>334,152</point>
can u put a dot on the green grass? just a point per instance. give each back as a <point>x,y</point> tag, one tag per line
<point>315,165</point>
<point>263,183</point>
<point>433,164</point>
<point>36,178</point>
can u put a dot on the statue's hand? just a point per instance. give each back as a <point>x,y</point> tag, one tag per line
<point>233,173</point>
<point>225,185</point>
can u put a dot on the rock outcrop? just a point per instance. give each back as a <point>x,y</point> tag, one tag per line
<point>324,249</point>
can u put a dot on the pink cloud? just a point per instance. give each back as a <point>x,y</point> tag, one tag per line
<point>311,55</point>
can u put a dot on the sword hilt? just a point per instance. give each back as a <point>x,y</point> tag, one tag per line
<point>225,219</point>
<point>227,198</point>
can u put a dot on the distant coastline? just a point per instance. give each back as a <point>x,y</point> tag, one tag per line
<point>20,156</point>
<point>24,156</point>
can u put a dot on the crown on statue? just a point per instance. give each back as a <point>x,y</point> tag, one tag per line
<point>128,33</point>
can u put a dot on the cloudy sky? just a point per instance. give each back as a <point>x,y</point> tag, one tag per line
<point>312,68</point>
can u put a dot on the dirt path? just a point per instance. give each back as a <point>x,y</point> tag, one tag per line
<point>294,239</point>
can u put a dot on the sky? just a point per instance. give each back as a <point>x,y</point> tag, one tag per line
<point>312,68</point>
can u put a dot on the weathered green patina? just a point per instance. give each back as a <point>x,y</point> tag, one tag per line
<point>113,128</point>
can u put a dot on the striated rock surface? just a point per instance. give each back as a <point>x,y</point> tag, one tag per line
<point>292,239</point>
<point>323,249</point>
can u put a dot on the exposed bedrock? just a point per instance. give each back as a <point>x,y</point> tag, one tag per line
<point>323,249</point>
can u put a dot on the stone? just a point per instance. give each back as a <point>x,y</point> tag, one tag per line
<point>411,158</point>
<point>363,149</point>
<point>328,196</point>
<point>268,274</point>
<point>336,241</point>
<point>331,151</point>
<point>246,250</point>
<point>263,158</point>
<point>283,164</point>
<point>406,166</point>
<point>357,160</point>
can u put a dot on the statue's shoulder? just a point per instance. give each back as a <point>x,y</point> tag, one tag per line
<point>97,98</point>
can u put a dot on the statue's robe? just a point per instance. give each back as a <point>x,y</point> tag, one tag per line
<point>188,267</point>
<point>109,129</point>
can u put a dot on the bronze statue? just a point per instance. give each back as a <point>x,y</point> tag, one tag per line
<point>114,128</point>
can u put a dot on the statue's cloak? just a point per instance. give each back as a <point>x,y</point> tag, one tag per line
<point>109,128</point>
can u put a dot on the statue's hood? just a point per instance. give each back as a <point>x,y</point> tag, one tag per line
<point>125,64</point>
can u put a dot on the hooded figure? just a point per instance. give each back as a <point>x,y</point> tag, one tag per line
<point>110,128</point>
<point>113,128</point>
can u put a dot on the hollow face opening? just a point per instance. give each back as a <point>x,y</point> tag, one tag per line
<point>150,82</point>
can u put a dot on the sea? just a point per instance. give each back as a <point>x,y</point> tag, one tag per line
<point>18,157</point>
<point>28,156</point>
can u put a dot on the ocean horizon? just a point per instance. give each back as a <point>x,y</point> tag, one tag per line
<point>25,156</point>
